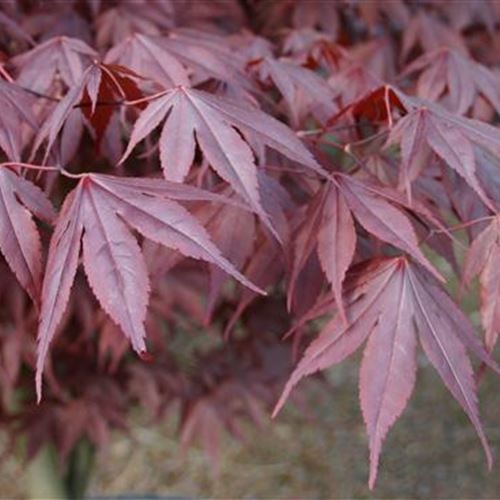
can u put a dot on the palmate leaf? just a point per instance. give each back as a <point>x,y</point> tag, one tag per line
<point>328,226</point>
<point>483,259</point>
<point>448,72</point>
<point>125,19</point>
<point>183,55</point>
<point>19,237</point>
<point>93,94</point>
<point>16,105</point>
<point>427,31</point>
<point>428,127</point>
<point>101,208</point>
<point>62,57</point>
<point>389,302</point>
<point>303,90</point>
<point>377,211</point>
<point>143,54</point>
<point>212,120</point>
<point>207,55</point>
<point>336,242</point>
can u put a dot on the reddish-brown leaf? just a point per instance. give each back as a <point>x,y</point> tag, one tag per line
<point>16,105</point>
<point>60,56</point>
<point>336,242</point>
<point>430,127</point>
<point>213,119</point>
<point>383,219</point>
<point>387,302</point>
<point>102,207</point>
<point>19,237</point>
<point>455,79</point>
<point>483,259</point>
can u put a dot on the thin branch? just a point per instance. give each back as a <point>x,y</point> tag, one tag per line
<point>465,224</point>
<point>120,102</point>
<point>324,130</point>
<point>342,148</point>
<point>30,166</point>
<point>368,139</point>
<point>5,74</point>
<point>39,94</point>
<point>44,168</point>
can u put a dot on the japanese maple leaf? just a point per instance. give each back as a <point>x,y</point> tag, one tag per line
<point>377,106</point>
<point>462,15</point>
<point>194,116</point>
<point>309,13</point>
<point>148,58</point>
<point>352,80</point>
<point>448,73</point>
<point>483,259</point>
<point>389,303</point>
<point>175,59</point>
<point>127,18</point>
<point>61,56</point>
<point>303,91</point>
<point>336,242</point>
<point>488,166</point>
<point>19,237</point>
<point>16,105</point>
<point>96,216</point>
<point>98,91</point>
<point>381,212</point>
<point>429,127</point>
<point>428,32</point>
<point>328,227</point>
<point>372,13</point>
<point>207,55</point>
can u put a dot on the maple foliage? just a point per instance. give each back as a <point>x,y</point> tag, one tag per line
<point>231,171</point>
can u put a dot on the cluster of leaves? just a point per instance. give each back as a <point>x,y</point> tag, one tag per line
<point>315,151</point>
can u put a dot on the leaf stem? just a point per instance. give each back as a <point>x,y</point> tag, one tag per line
<point>39,94</point>
<point>145,99</point>
<point>72,176</point>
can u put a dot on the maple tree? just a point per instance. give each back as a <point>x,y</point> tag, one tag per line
<point>231,171</point>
